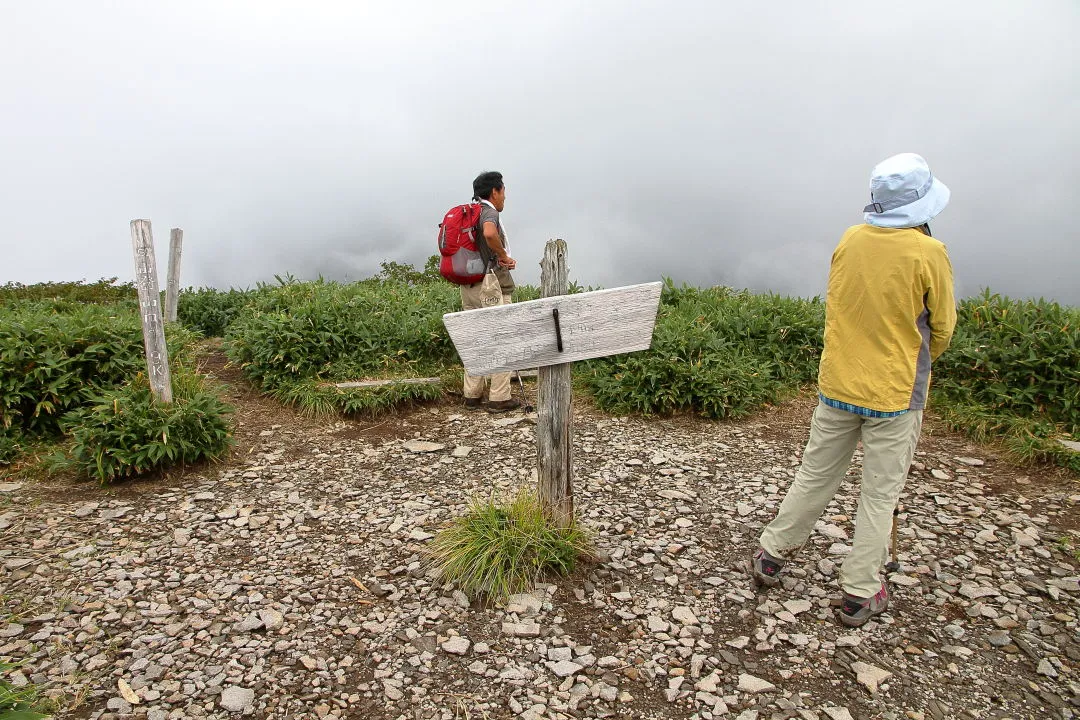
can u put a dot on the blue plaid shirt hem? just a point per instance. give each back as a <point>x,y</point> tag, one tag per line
<point>865,412</point>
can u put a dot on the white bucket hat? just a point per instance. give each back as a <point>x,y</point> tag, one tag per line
<point>904,193</point>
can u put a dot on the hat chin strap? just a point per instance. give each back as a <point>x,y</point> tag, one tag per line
<point>900,200</point>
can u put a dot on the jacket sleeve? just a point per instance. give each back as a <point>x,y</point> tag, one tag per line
<point>940,301</point>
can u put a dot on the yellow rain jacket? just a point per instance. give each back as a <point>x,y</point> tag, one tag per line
<point>889,311</point>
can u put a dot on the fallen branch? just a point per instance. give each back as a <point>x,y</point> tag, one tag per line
<point>381,383</point>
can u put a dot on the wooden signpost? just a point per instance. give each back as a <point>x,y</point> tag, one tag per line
<point>172,282</point>
<point>146,282</point>
<point>549,334</point>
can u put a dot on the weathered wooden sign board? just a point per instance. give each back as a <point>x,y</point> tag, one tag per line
<point>555,330</point>
<point>550,334</point>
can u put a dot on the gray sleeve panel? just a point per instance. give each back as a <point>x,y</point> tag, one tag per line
<point>922,365</point>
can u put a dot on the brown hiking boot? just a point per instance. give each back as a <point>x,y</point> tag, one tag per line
<point>503,405</point>
<point>473,403</point>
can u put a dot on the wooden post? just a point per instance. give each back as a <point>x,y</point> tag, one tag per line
<point>172,283</point>
<point>554,437</point>
<point>146,282</point>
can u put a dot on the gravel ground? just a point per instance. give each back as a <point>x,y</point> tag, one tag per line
<point>289,582</point>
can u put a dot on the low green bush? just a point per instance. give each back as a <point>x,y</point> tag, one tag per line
<point>103,292</point>
<point>52,363</point>
<point>125,432</point>
<point>1015,357</point>
<point>209,311</point>
<point>717,352</point>
<point>295,338</point>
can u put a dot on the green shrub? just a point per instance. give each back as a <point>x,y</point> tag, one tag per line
<point>210,311</point>
<point>499,550</point>
<point>102,292</point>
<point>51,363</point>
<point>1015,357</point>
<point>296,337</point>
<point>126,432</point>
<point>715,351</point>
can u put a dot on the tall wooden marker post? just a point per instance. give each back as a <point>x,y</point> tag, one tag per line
<point>146,282</point>
<point>172,282</point>
<point>550,334</point>
<point>554,429</point>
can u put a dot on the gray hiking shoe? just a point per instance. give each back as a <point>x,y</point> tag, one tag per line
<point>765,569</point>
<point>856,612</point>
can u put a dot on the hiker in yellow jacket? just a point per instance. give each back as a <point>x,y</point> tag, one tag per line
<point>889,311</point>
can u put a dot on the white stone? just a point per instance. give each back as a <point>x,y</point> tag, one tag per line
<point>833,531</point>
<point>422,446</point>
<point>798,606</point>
<point>9,487</point>
<point>974,592</point>
<point>903,580</point>
<point>271,619</point>
<point>564,668</point>
<point>456,645</point>
<point>657,624</point>
<point>461,451</point>
<point>237,699</point>
<point>1047,668</point>
<point>837,713</point>
<point>710,683</point>
<point>525,629</point>
<point>940,474</point>
<point>751,684</point>
<point>524,604</point>
<point>870,676</point>
<point>684,615</point>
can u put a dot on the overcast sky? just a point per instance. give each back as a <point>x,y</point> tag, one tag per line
<point>710,143</point>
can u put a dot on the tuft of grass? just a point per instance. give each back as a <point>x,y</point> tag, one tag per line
<point>496,550</point>
<point>19,703</point>
<point>1022,439</point>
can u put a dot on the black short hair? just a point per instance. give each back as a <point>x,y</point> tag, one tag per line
<point>486,183</point>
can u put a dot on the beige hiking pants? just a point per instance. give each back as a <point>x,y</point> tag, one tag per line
<point>474,384</point>
<point>888,448</point>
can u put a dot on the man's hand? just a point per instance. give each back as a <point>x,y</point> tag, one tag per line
<point>508,262</point>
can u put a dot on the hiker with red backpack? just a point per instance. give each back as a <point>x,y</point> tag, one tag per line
<point>889,311</point>
<point>476,257</point>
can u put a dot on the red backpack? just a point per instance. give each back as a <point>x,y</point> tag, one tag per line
<point>461,262</point>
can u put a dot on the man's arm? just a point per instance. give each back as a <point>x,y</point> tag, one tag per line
<point>494,243</point>
<point>940,300</point>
